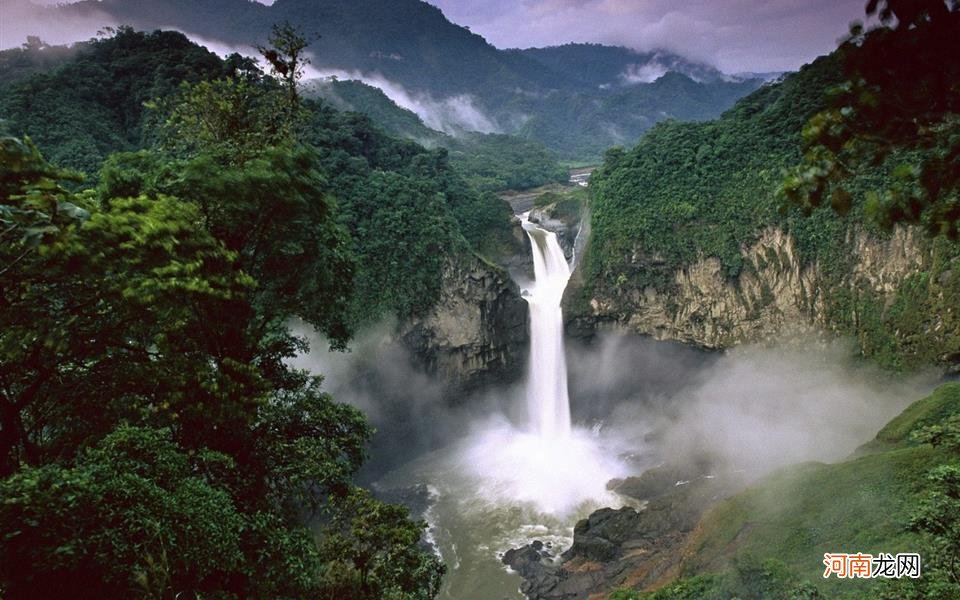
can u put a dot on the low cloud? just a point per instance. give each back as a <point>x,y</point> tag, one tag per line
<point>453,114</point>
<point>644,73</point>
<point>760,407</point>
<point>20,18</point>
<point>735,35</point>
<point>635,403</point>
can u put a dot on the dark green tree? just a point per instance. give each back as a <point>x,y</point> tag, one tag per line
<point>937,520</point>
<point>132,515</point>
<point>287,57</point>
<point>898,110</point>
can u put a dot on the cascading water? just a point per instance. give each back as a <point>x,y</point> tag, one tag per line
<point>548,404</point>
<point>503,485</point>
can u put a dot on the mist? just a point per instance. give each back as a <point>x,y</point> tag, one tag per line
<point>21,18</point>
<point>636,403</point>
<point>452,115</point>
<point>733,35</point>
<point>751,409</point>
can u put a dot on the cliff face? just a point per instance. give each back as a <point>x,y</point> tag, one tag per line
<point>776,293</point>
<point>477,332</point>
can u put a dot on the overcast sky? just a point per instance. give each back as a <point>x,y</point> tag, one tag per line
<point>735,35</point>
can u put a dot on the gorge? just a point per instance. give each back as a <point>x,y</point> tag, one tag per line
<point>341,300</point>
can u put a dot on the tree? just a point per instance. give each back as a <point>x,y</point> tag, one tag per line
<point>937,519</point>
<point>274,212</point>
<point>898,110</point>
<point>373,552</point>
<point>286,55</point>
<point>34,206</point>
<point>235,118</point>
<point>132,515</point>
<point>99,298</point>
<point>145,398</point>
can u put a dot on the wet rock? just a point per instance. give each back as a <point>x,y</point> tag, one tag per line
<point>566,226</point>
<point>476,333</point>
<point>625,547</point>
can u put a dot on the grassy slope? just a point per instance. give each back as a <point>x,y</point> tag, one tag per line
<point>859,505</point>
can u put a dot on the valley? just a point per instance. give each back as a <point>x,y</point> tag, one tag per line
<point>328,299</point>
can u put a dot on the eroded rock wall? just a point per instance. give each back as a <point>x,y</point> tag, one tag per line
<point>775,293</point>
<point>476,333</point>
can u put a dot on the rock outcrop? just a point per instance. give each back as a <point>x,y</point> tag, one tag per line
<point>565,225</point>
<point>476,333</point>
<point>775,293</point>
<point>625,547</point>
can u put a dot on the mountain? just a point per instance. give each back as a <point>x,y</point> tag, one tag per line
<point>578,99</point>
<point>357,96</point>
<point>596,65</point>
<point>690,241</point>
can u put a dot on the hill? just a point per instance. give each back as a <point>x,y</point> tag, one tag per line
<point>95,103</point>
<point>768,541</point>
<point>410,45</point>
<point>596,65</point>
<point>689,242</point>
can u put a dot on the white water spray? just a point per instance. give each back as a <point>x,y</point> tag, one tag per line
<point>548,403</point>
<point>503,485</point>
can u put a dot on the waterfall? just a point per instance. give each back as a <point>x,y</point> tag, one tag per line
<point>548,404</point>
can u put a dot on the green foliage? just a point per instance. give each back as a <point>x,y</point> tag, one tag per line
<point>768,541</point>
<point>94,304</point>
<point>93,103</point>
<point>402,229</point>
<point>582,124</point>
<point>488,162</point>
<point>797,514</point>
<point>287,59</point>
<point>496,162</point>
<point>34,205</point>
<point>567,204</point>
<point>356,96</point>
<point>371,549</point>
<point>133,513</point>
<point>305,440</point>
<point>545,95</point>
<point>231,131</point>
<point>690,191</point>
<point>152,440</point>
<point>937,519</point>
<point>33,56</point>
<point>905,429</point>
<point>898,108</point>
<point>279,194</point>
<point>749,579</point>
<point>232,117</point>
<point>406,210</point>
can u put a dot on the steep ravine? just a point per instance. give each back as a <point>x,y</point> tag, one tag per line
<point>777,294</point>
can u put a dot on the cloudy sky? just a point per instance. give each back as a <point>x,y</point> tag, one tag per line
<point>735,35</point>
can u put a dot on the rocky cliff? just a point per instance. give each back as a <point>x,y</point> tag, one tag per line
<point>476,333</point>
<point>778,292</point>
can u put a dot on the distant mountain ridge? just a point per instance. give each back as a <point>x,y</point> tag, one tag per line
<point>597,65</point>
<point>610,93</point>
